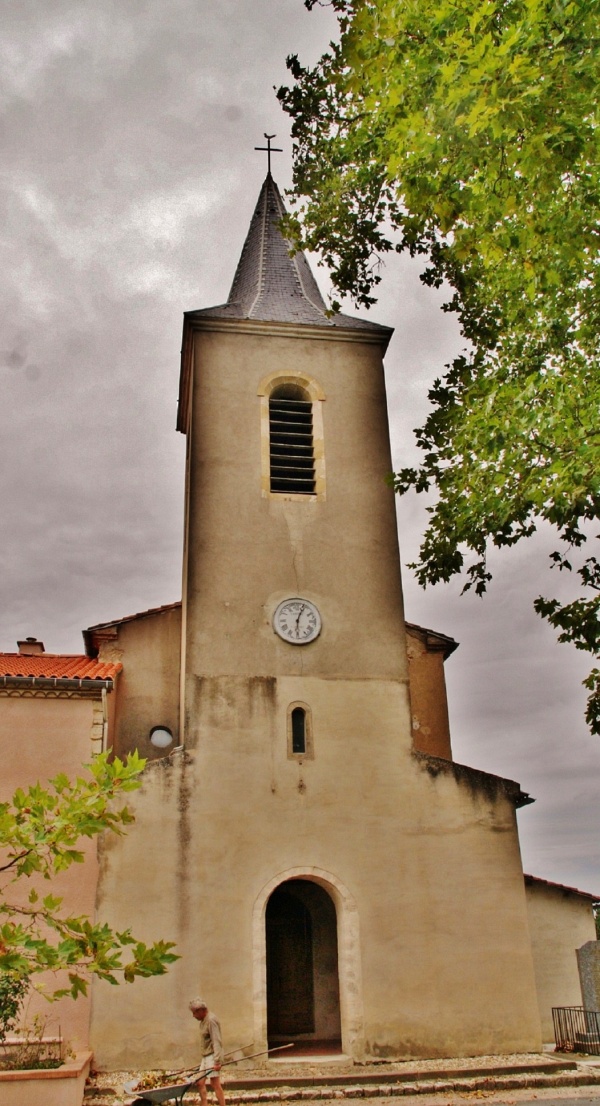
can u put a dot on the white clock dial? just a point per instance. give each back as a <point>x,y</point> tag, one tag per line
<point>297,621</point>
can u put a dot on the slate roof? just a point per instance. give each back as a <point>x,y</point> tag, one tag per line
<point>57,666</point>
<point>270,285</point>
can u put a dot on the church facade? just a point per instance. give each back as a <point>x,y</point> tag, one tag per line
<point>329,874</point>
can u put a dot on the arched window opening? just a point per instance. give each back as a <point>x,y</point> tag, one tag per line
<point>298,730</point>
<point>300,743</point>
<point>291,445</point>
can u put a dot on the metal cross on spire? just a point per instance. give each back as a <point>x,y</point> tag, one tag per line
<point>269,150</point>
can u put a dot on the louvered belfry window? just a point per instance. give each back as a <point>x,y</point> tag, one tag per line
<point>291,445</point>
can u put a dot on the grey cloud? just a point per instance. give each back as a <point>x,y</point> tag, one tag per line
<point>129,177</point>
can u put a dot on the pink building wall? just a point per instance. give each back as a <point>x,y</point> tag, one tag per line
<point>40,737</point>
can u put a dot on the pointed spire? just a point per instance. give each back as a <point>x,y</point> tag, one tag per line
<point>270,285</point>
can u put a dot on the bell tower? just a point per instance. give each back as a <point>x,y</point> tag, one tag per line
<point>291,566</point>
<point>294,672</point>
<point>323,879</point>
<point>295,703</point>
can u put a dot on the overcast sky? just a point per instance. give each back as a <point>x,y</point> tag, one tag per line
<point>128,181</point>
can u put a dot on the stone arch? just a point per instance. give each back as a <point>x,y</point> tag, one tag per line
<point>276,379</point>
<point>349,963</point>
<point>309,749</point>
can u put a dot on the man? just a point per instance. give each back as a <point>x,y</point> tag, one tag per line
<point>212,1050</point>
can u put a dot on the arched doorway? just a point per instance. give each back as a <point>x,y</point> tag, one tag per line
<point>303,993</point>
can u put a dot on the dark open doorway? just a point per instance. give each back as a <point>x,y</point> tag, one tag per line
<point>303,1001</point>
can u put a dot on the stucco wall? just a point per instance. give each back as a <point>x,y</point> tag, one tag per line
<point>422,865</point>
<point>560,921</point>
<point>428,699</point>
<point>39,738</point>
<point>406,857</point>
<point>247,551</point>
<point>147,693</point>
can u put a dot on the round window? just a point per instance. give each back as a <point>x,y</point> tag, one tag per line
<point>161,737</point>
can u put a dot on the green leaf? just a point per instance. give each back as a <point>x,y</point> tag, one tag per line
<point>468,135</point>
<point>40,829</point>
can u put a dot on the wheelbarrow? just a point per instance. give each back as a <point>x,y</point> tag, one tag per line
<point>162,1094</point>
<point>176,1091</point>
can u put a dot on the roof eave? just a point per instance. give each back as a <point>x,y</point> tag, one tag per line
<point>434,641</point>
<point>479,782</point>
<point>562,887</point>
<point>108,631</point>
<point>86,687</point>
<point>193,322</point>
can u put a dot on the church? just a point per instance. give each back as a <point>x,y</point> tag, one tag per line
<point>331,877</point>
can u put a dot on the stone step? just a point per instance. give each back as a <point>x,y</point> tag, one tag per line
<point>390,1085</point>
<point>397,1075</point>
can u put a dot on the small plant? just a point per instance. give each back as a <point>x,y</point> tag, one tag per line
<point>32,1049</point>
<point>27,1047</point>
<point>13,991</point>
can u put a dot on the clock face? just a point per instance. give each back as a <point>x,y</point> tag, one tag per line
<point>297,621</point>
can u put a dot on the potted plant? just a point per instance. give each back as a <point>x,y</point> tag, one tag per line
<point>25,1043</point>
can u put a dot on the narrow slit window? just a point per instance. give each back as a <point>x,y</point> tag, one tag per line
<point>291,444</point>
<point>298,730</point>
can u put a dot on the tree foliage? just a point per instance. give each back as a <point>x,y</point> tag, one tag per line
<point>13,990</point>
<point>41,830</point>
<point>466,131</point>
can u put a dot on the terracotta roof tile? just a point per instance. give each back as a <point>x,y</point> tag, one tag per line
<point>132,617</point>
<point>57,666</point>
<point>559,887</point>
<point>95,636</point>
<point>433,638</point>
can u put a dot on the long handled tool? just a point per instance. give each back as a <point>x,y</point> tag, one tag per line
<point>176,1093</point>
<point>191,1071</point>
<point>180,1071</point>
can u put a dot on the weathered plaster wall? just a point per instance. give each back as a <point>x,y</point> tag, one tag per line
<point>412,852</point>
<point>247,551</point>
<point>423,867</point>
<point>39,738</point>
<point>428,699</point>
<point>147,693</point>
<point>560,921</point>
